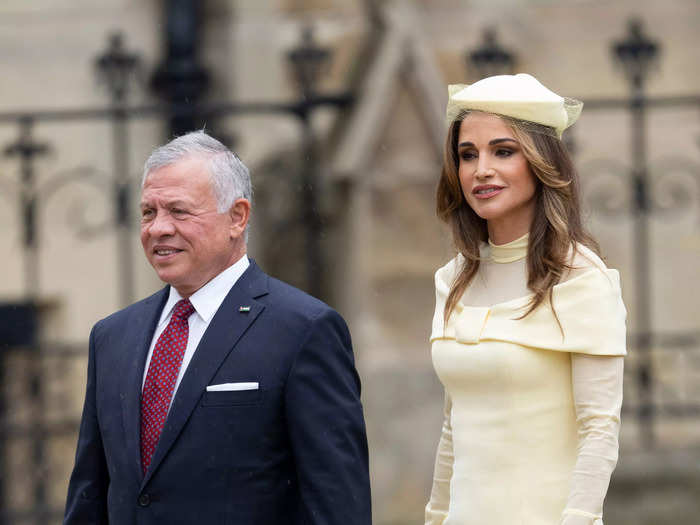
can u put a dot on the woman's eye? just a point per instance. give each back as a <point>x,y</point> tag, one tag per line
<point>504,153</point>
<point>467,155</point>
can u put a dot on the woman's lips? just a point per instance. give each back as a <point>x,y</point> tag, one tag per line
<point>486,191</point>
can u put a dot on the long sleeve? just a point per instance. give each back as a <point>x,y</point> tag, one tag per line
<point>326,427</point>
<point>438,506</point>
<point>87,491</point>
<point>597,389</point>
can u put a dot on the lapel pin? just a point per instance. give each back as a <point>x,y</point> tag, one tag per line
<point>244,308</point>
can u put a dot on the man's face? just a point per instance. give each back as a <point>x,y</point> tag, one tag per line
<point>185,238</point>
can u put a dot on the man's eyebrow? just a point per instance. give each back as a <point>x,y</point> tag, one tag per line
<point>176,203</point>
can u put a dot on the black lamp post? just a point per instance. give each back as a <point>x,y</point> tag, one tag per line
<point>26,149</point>
<point>307,62</point>
<point>116,67</point>
<point>636,54</point>
<point>490,58</point>
<point>181,79</point>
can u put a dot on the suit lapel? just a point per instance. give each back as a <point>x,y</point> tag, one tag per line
<point>224,331</point>
<point>137,340</point>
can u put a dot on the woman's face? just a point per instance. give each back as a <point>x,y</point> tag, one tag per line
<point>495,176</point>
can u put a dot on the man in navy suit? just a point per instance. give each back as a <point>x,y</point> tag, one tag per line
<point>228,397</point>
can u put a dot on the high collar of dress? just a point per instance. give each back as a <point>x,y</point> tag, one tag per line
<point>510,252</point>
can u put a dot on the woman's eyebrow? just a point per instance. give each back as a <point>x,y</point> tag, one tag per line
<point>498,141</point>
<point>491,142</point>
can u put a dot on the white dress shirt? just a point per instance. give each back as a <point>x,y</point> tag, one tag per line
<point>206,302</point>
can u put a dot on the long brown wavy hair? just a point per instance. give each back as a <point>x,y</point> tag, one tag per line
<point>556,227</point>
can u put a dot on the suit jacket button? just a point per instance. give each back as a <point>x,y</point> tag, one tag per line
<point>144,500</point>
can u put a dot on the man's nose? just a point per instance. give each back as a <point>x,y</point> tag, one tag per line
<point>162,224</point>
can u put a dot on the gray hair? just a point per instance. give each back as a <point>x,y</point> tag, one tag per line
<point>230,178</point>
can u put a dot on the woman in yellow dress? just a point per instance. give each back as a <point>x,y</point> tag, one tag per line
<point>528,336</point>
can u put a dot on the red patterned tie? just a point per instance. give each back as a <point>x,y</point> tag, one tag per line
<point>161,377</point>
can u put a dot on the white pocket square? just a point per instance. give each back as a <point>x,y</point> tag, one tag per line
<point>228,387</point>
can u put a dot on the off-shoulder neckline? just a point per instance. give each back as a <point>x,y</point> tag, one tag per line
<point>525,299</point>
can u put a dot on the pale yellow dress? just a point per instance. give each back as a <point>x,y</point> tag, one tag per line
<point>530,435</point>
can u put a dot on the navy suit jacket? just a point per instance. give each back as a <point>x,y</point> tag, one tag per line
<point>292,452</point>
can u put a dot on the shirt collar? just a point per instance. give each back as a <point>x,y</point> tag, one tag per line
<point>208,298</point>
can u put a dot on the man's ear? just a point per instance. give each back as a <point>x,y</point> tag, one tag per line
<point>240,214</point>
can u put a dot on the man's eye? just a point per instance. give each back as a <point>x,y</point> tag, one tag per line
<point>147,214</point>
<point>178,212</point>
